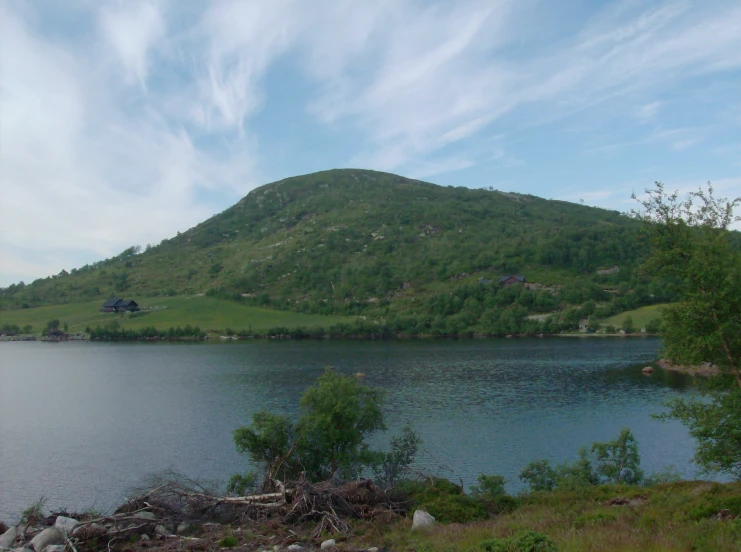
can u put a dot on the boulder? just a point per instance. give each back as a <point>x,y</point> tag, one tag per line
<point>145,515</point>
<point>144,538</point>
<point>328,544</point>
<point>161,530</point>
<point>372,549</point>
<point>422,520</point>
<point>183,528</point>
<point>55,548</point>
<point>296,547</point>
<point>648,370</point>
<point>65,524</point>
<point>52,535</point>
<point>7,538</point>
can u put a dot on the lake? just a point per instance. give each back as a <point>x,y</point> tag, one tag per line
<point>80,423</point>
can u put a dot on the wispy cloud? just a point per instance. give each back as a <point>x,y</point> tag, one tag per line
<point>116,123</point>
<point>132,29</point>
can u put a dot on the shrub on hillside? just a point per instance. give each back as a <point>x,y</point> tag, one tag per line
<point>444,500</point>
<point>613,462</point>
<point>522,541</point>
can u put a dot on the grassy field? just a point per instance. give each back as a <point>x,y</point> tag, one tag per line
<point>206,312</point>
<point>640,317</point>
<point>673,517</point>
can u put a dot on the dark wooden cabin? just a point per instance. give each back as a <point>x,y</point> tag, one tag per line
<point>510,280</point>
<point>114,304</point>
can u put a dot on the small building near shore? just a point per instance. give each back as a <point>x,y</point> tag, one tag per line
<point>114,304</point>
<point>512,279</point>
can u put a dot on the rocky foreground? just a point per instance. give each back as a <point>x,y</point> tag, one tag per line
<point>697,516</point>
<point>176,516</point>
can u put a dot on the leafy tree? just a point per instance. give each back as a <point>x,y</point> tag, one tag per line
<point>269,441</point>
<point>489,486</point>
<point>540,475</point>
<point>51,326</point>
<point>691,242</point>
<point>393,464</point>
<point>338,414</point>
<point>593,324</point>
<point>613,462</point>
<point>242,483</point>
<point>618,461</point>
<point>628,326</point>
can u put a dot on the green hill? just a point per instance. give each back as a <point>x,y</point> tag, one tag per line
<point>384,247</point>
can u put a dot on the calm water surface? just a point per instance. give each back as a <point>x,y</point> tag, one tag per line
<point>80,423</point>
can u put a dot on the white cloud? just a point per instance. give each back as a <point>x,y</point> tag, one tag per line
<point>132,29</point>
<point>449,73</point>
<point>110,136</point>
<point>648,111</point>
<point>80,170</point>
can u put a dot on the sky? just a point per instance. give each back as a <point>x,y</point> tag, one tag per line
<point>122,123</point>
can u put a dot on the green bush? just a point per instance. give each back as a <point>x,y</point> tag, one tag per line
<point>444,500</point>
<point>392,465</point>
<point>628,326</point>
<point>241,484</point>
<point>489,486</point>
<point>613,462</point>
<point>228,541</point>
<point>713,505</point>
<point>522,541</point>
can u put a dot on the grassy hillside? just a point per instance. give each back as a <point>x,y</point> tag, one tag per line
<point>641,316</point>
<point>400,252</point>
<point>206,312</point>
<point>675,517</point>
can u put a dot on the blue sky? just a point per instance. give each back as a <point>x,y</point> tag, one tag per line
<point>124,122</point>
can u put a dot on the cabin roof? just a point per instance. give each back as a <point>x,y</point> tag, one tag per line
<point>517,277</point>
<point>111,302</point>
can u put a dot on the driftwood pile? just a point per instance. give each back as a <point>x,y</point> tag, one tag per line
<point>179,508</point>
<point>179,501</point>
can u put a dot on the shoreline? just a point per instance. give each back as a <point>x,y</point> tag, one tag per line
<point>216,338</point>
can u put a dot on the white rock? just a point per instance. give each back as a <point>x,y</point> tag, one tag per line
<point>328,544</point>
<point>23,549</point>
<point>144,515</point>
<point>183,527</point>
<point>7,538</point>
<point>372,549</point>
<point>66,524</point>
<point>276,548</point>
<point>52,535</point>
<point>55,548</point>
<point>161,530</point>
<point>422,520</point>
<point>144,538</point>
<point>296,547</point>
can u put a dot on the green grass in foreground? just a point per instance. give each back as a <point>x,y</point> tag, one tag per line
<point>641,316</point>
<point>679,516</point>
<point>206,312</point>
